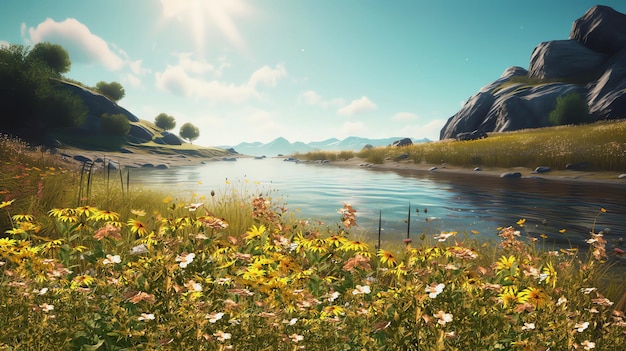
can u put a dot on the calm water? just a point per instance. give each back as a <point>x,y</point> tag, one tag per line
<point>453,202</point>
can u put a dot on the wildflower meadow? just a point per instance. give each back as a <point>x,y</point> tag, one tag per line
<point>237,271</point>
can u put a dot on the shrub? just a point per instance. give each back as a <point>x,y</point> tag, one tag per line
<point>165,121</point>
<point>189,131</point>
<point>115,125</point>
<point>570,109</point>
<point>114,90</point>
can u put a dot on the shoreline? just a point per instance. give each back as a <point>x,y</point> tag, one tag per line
<point>145,159</point>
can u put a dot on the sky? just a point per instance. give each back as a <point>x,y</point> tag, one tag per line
<point>305,70</point>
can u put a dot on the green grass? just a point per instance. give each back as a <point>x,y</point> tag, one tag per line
<point>234,270</point>
<point>602,145</point>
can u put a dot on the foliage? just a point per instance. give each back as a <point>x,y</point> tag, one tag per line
<point>326,155</point>
<point>237,272</point>
<point>114,90</point>
<point>114,124</point>
<point>189,131</point>
<point>32,101</point>
<point>165,121</point>
<point>52,55</point>
<point>601,145</point>
<point>570,109</point>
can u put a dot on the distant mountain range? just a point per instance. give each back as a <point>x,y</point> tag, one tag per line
<point>281,146</point>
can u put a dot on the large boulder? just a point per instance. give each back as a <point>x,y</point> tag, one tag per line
<point>140,132</point>
<point>564,59</point>
<point>403,142</point>
<point>171,139</point>
<point>591,63</point>
<point>602,29</point>
<point>606,97</point>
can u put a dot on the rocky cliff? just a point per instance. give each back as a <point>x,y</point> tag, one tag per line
<point>592,63</point>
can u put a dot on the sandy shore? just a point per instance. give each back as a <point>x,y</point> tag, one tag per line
<point>563,175</point>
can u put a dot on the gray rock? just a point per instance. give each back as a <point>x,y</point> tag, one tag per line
<point>113,165</point>
<point>403,142</point>
<point>477,169</point>
<point>171,139</point>
<point>229,159</point>
<point>140,132</point>
<point>511,175</point>
<point>542,169</point>
<point>125,150</point>
<point>147,165</point>
<point>83,159</point>
<point>432,169</point>
<point>601,29</point>
<point>470,117</point>
<point>622,176</point>
<point>401,157</point>
<point>578,166</point>
<point>162,166</point>
<point>606,97</point>
<point>564,59</point>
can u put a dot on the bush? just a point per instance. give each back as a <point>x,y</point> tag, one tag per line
<point>116,125</point>
<point>165,121</point>
<point>189,131</point>
<point>570,109</point>
<point>114,90</point>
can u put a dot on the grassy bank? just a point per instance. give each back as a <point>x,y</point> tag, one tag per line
<point>602,146</point>
<point>139,270</point>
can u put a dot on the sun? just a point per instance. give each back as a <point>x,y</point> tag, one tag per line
<point>208,16</point>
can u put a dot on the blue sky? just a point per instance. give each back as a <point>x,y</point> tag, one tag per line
<point>244,70</point>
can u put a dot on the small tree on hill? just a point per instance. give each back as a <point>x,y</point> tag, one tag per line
<point>114,125</point>
<point>570,109</point>
<point>165,121</point>
<point>114,90</point>
<point>189,131</point>
<point>52,55</point>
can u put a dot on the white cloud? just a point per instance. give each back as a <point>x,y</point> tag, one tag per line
<point>311,97</point>
<point>405,116</point>
<point>131,80</point>
<point>432,129</point>
<point>267,75</point>
<point>82,45</point>
<point>188,78</point>
<point>357,106</point>
<point>137,67</point>
<point>175,80</point>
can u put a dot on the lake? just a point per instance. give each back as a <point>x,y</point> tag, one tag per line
<point>439,201</point>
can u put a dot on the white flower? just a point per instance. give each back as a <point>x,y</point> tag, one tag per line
<point>292,321</point>
<point>221,336</point>
<point>194,207</point>
<point>434,290</point>
<point>41,292</point>
<point>561,301</point>
<point>46,308</point>
<point>580,327</point>
<point>588,345</point>
<point>443,317</point>
<point>528,326</point>
<point>444,236</point>
<point>364,289</point>
<point>112,259</point>
<point>296,337</point>
<point>146,317</point>
<point>587,291</point>
<point>185,259</point>
<point>333,296</point>
<point>214,316</point>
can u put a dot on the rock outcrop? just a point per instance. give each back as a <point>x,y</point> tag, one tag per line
<point>592,63</point>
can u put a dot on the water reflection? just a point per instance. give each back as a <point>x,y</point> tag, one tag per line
<point>454,202</point>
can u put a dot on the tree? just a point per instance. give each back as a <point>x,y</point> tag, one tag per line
<point>52,55</point>
<point>165,121</point>
<point>115,125</point>
<point>32,100</point>
<point>114,90</point>
<point>189,131</point>
<point>570,109</point>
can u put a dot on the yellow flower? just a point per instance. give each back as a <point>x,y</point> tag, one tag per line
<point>535,296</point>
<point>509,296</point>
<point>333,310</point>
<point>255,232</point>
<point>23,218</point>
<point>137,227</point>
<point>86,210</point>
<point>354,245</point>
<point>505,262</point>
<point>549,274</point>
<point>521,222</point>
<point>4,204</point>
<point>105,215</point>
<point>387,257</point>
<point>138,213</point>
<point>6,242</point>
